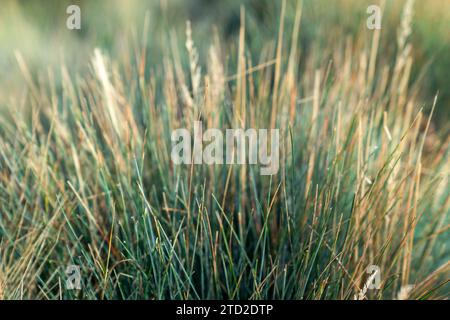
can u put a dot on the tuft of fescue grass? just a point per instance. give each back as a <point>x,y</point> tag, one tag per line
<point>86,177</point>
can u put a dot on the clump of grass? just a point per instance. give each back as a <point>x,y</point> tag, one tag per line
<point>86,178</point>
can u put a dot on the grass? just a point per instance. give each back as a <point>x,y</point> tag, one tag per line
<point>86,177</point>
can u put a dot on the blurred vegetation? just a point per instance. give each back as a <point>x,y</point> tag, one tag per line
<point>37,29</point>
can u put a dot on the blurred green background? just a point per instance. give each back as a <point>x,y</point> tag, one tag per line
<point>38,30</point>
